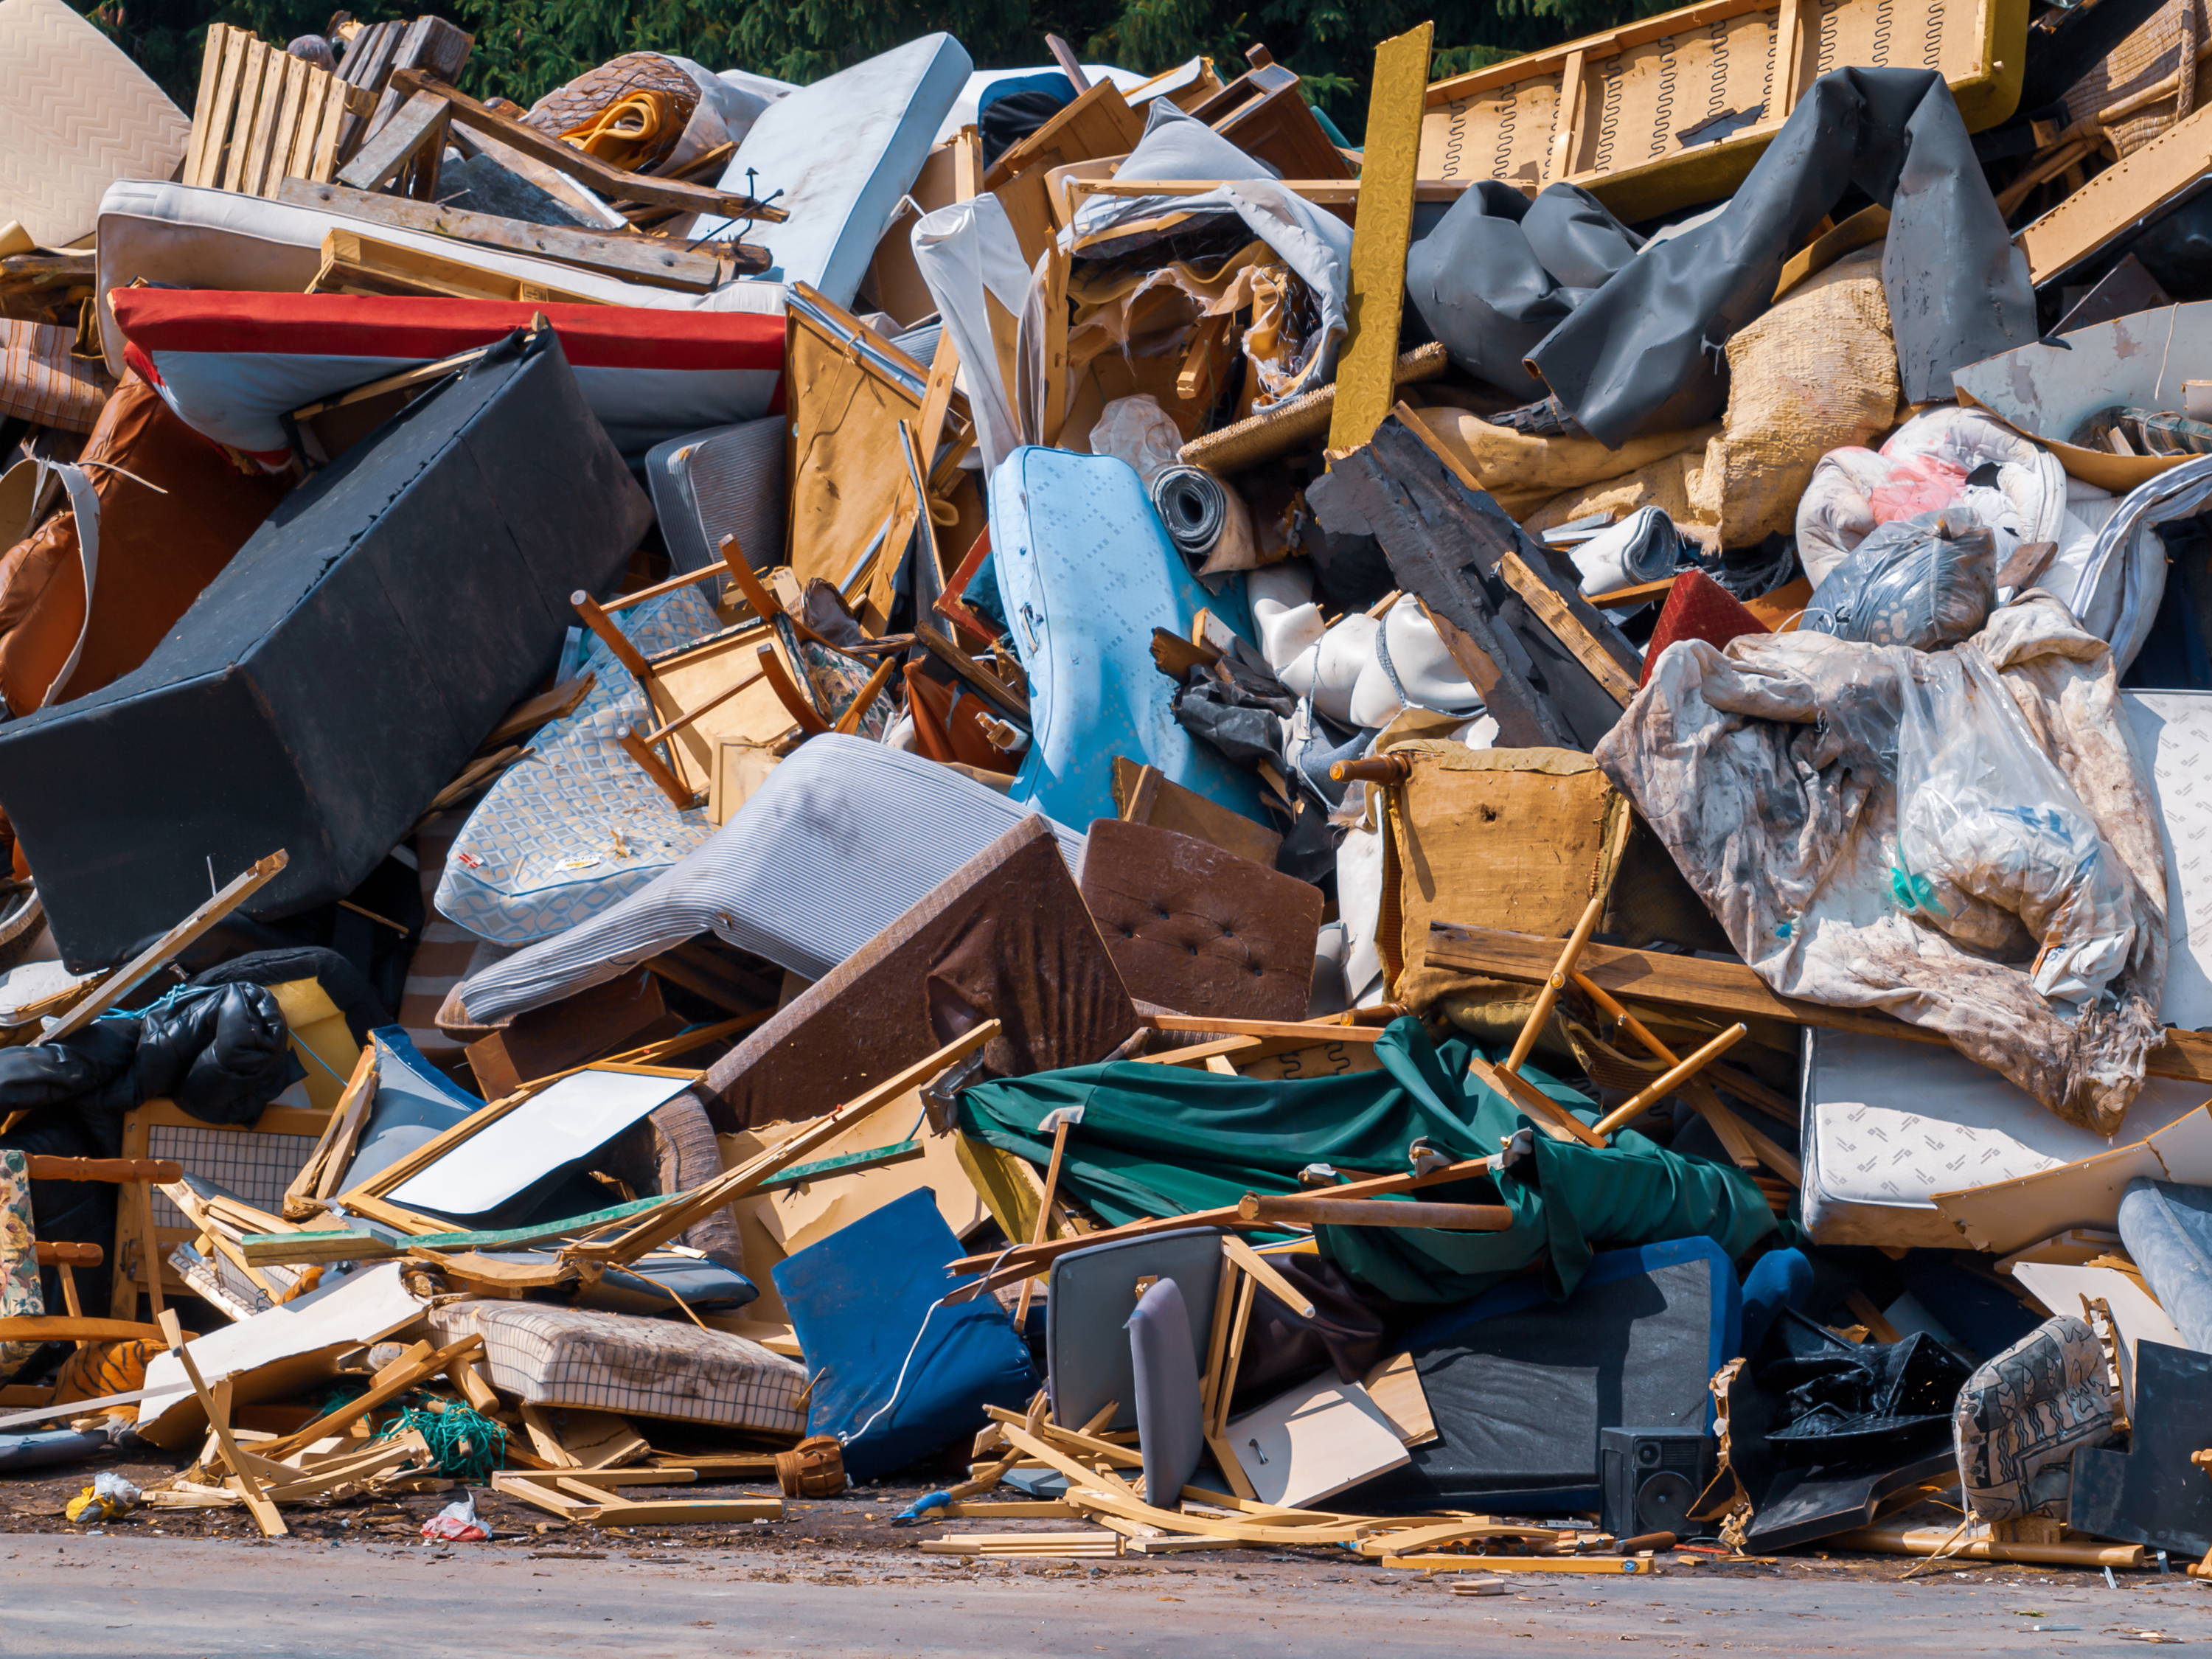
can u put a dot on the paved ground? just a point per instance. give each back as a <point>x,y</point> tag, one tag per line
<point>127,1592</point>
<point>835,1578</point>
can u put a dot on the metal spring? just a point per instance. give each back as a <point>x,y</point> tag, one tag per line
<point>1931,48</point>
<point>1716,98</point>
<point>1509,113</point>
<point>1827,60</point>
<point>1608,116</point>
<point>1662,112</point>
<point>1882,23</point>
<point>1456,137</point>
<point>1766,81</point>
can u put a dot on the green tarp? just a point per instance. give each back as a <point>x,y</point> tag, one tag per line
<point>1164,1140</point>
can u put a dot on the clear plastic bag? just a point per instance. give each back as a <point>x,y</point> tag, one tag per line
<point>1993,846</point>
<point>1137,429</point>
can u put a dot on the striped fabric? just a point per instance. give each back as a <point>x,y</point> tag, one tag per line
<point>445,953</point>
<point>843,838</point>
<point>832,848</point>
<point>606,1362</point>
<point>42,383</point>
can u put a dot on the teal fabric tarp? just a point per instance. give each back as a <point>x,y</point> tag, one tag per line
<point>1164,1140</point>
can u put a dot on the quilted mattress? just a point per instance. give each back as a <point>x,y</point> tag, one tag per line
<point>79,116</point>
<point>1889,1123</point>
<point>606,1362</point>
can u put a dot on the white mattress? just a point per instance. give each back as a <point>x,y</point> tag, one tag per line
<point>882,116</point>
<point>79,116</point>
<point>186,237</point>
<point>1890,1123</point>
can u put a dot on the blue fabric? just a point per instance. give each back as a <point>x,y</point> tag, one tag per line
<point>865,1305</point>
<point>1086,572</point>
<point>1779,1280</point>
<point>1052,81</point>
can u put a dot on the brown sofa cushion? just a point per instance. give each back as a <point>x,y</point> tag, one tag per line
<point>1004,937</point>
<point>1199,930</point>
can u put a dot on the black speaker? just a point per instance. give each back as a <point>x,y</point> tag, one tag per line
<point>1651,1479</point>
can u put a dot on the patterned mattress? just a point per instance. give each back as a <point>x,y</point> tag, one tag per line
<point>1889,1123</point>
<point>639,1367</point>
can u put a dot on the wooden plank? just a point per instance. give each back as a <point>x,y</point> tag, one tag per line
<point>1310,1031</point>
<point>609,181</point>
<point>264,1512</point>
<point>1726,989</point>
<point>254,63</point>
<point>134,973</point>
<point>70,1327</point>
<point>421,121</point>
<point>1558,613</point>
<point>203,104</point>
<point>880,1158</point>
<point>1366,373</point>
<point>277,160</point>
<point>1567,120</point>
<point>223,111</point>
<point>628,256</point>
<point>336,112</point>
<point>315,97</point>
<point>276,70</point>
<point>2120,197</point>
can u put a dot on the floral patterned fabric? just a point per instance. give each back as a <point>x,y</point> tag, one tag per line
<point>577,825</point>
<point>19,1265</point>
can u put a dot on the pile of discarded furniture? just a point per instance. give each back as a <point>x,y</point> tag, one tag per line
<point>1477,847</point>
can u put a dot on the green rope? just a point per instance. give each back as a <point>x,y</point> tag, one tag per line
<point>466,1444</point>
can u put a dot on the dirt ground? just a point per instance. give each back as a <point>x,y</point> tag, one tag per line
<point>835,1577</point>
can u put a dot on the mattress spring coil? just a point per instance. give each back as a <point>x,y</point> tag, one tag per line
<point>1608,116</point>
<point>1456,137</point>
<point>1662,112</point>
<point>1827,57</point>
<point>1716,97</point>
<point>1931,44</point>
<point>1884,21</point>
<point>1773,52</point>
<point>1508,113</point>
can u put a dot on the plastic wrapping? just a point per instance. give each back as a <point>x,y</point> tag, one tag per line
<point>1137,430</point>
<point>1992,838</point>
<point>1926,581</point>
<point>1948,457</point>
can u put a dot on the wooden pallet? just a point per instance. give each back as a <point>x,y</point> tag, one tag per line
<point>264,116</point>
<point>1673,110</point>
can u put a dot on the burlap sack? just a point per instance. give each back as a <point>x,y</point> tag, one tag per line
<point>1525,473</point>
<point>1815,373</point>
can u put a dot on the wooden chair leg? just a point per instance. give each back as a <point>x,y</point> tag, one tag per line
<point>849,722</point>
<point>794,701</point>
<point>634,745</point>
<point>1548,997</point>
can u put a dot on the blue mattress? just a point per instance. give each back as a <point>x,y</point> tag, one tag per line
<point>897,1374</point>
<point>1086,572</point>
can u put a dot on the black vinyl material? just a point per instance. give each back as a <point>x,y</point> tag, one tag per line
<point>1641,353</point>
<point>339,671</point>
